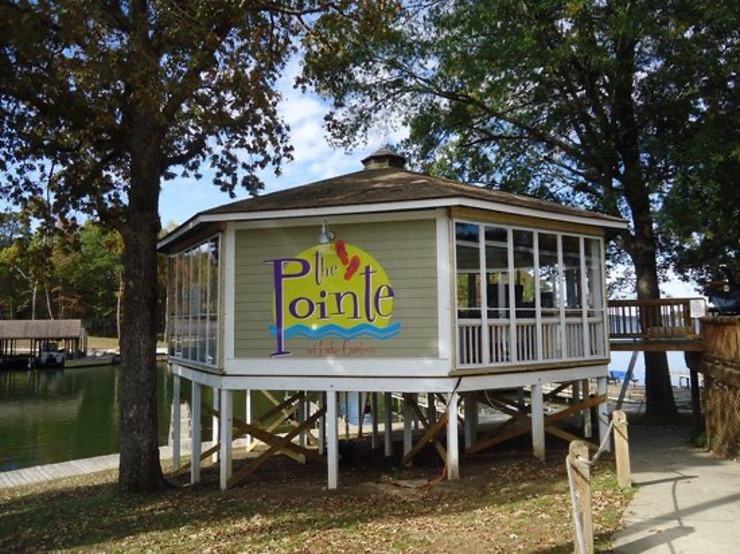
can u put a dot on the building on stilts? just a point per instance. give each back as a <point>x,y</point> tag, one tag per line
<point>386,284</point>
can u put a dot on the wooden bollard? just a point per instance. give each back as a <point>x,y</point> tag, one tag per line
<point>581,475</point>
<point>622,449</point>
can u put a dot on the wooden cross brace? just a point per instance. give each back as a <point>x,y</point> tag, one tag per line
<point>276,442</point>
<point>525,426</point>
<point>430,434</point>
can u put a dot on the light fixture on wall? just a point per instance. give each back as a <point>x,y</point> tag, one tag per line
<point>325,236</point>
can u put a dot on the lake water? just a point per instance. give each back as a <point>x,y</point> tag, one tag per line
<point>49,416</point>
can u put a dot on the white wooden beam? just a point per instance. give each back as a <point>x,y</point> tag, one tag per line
<point>195,428</point>
<point>538,422</point>
<point>226,425</point>
<point>215,427</point>
<point>332,440</point>
<point>453,454</point>
<point>176,423</point>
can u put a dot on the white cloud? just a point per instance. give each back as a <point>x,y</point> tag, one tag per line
<point>314,158</point>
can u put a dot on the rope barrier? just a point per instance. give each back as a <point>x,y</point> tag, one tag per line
<point>602,446</point>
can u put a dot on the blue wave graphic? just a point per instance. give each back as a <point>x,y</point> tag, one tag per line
<point>362,330</point>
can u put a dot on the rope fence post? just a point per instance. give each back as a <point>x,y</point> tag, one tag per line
<point>622,449</point>
<point>579,478</point>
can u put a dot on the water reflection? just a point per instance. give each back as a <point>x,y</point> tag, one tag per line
<point>49,416</point>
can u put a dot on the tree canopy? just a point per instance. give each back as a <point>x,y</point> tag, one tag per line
<point>101,101</point>
<point>575,101</point>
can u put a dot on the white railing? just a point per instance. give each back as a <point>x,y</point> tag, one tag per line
<point>499,333</point>
<point>469,345</point>
<point>526,340</point>
<point>526,346</point>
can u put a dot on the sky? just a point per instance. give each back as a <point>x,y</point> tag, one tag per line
<point>313,158</point>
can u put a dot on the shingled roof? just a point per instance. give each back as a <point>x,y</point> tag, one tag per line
<point>388,185</point>
<point>53,329</point>
<point>386,188</point>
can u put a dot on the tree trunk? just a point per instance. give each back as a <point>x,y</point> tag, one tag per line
<point>140,468</point>
<point>34,288</point>
<point>660,404</point>
<point>49,309</point>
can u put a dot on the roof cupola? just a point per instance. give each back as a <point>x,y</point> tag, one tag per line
<point>384,158</point>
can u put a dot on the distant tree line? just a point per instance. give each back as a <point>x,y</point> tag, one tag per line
<point>62,274</point>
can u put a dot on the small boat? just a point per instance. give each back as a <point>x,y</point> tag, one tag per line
<point>50,356</point>
<point>93,361</point>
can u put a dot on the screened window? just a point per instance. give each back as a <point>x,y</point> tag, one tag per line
<point>193,325</point>
<point>525,295</point>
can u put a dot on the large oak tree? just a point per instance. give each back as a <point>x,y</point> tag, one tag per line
<point>102,100</point>
<point>578,101</point>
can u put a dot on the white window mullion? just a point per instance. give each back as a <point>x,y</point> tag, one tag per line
<point>537,298</point>
<point>513,354</point>
<point>561,300</point>
<point>584,298</point>
<point>485,333</point>
<point>207,342</point>
<point>600,302</point>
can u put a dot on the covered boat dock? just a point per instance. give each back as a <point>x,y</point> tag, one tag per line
<point>22,342</point>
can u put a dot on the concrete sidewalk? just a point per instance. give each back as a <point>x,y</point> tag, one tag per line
<point>686,501</point>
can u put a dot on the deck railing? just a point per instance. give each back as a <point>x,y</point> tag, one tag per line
<point>652,320</point>
<point>531,342</point>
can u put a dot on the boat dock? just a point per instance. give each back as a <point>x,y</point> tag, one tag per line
<point>49,472</point>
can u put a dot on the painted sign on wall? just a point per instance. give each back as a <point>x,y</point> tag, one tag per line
<point>330,290</point>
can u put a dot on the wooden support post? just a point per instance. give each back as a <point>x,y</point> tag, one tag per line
<point>346,416</point>
<point>470,408</point>
<point>407,426</point>
<point>176,423</point>
<point>431,408</point>
<point>332,440</point>
<point>622,449</point>
<point>538,422</point>
<point>575,398</point>
<point>226,425</point>
<point>693,362</point>
<point>579,474</point>
<point>248,413</point>
<point>587,421</point>
<point>388,424</point>
<point>361,405</point>
<point>603,411</point>
<point>196,433</point>
<point>322,424</point>
<point>627,377</point>
<point>374,410</point>
<point>302,405</point>
<point>453,454</point>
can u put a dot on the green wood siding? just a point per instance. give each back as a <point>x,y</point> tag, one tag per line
<point>406,251</point>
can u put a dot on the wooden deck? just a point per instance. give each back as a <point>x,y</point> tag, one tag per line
<point>661,325</point>
<point>50,472</point>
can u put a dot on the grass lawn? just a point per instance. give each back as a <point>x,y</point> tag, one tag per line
<point>503,503</point>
